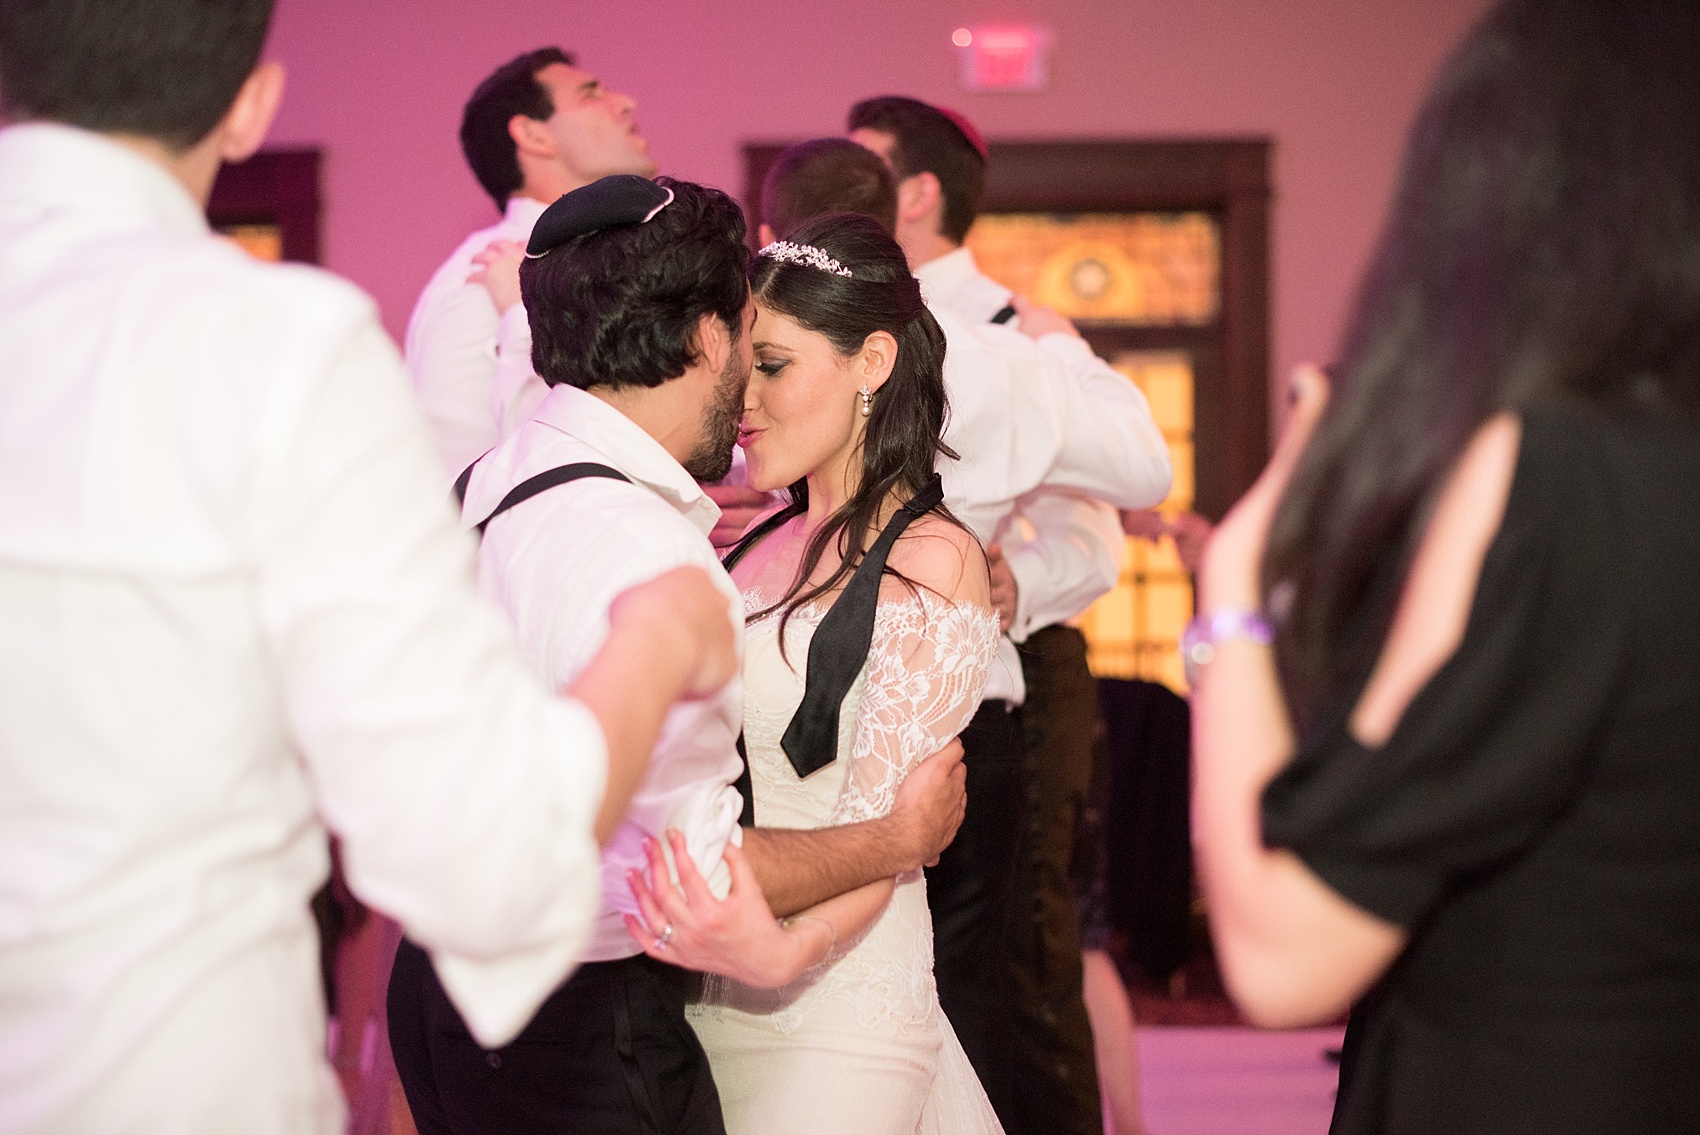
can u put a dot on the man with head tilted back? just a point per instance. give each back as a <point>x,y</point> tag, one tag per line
<point>238,612</point>
<point>537,127</point>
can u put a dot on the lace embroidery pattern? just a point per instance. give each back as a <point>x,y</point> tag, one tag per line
<point>920,686</point>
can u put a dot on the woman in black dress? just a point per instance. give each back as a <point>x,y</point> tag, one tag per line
<point>1460,789</point>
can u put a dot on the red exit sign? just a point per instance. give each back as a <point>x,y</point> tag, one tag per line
<point>1004,57</point>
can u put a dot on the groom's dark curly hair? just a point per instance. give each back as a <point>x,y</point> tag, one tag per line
<point>620,306</point>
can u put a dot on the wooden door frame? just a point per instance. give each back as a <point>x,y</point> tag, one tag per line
<point>1228,178</point>
<point>274,187</point>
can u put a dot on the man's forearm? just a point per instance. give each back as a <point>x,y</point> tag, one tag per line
<point>798,868</point>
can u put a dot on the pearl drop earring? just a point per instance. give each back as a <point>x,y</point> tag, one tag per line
<point>867,401</point>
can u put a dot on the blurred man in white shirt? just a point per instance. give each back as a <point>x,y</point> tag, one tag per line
<point>536,128</point>
<point>237,613</point>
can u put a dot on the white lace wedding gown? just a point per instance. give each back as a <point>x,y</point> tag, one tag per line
<point>858,1046</point>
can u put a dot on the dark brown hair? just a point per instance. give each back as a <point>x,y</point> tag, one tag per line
<point>162,69</point>
<point>510,89</point>
<point>1544,242</point>
<point>927,141</point>
<point>827,175</point>
<point>620,307</point>
<point>903,439</point>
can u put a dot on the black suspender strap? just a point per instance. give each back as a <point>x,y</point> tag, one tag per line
<point>757,534</point>
<point>841,642</point>
<point>745,786</point>
<point>465,479</point>
<point>1005,314</point>
<point>547,479</point>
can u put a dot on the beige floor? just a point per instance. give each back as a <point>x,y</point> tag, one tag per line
<point>1193,1081</point>
<point>1210,1081</point>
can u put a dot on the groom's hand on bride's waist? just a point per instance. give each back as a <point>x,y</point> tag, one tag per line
<point>929,806</point>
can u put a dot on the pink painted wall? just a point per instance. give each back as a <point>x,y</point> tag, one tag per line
<point>379,84</point>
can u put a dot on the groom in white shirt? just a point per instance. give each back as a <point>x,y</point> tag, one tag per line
<point>537,127</point>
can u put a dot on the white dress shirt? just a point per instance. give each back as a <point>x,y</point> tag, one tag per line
<point>557,561</point>
<point>237,611</point>
<point>955,283</point>
<point>451,346</point>
<point>1027,413</point>
<point>517,390</point>
<point>1063,548</point>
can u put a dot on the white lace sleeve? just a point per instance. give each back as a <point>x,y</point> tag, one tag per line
<point>926,669</point>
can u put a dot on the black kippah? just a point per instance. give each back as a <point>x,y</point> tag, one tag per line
<point>623,199</point>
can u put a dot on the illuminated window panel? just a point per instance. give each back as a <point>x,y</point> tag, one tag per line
<point>262,242</point>
<point>1135,630</point>
<point>1114,269</point>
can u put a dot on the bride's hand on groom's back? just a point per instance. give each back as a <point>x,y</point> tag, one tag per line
<point>685,925</point>
<point>929,806</point>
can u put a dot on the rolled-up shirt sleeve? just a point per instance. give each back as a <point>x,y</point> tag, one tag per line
<point>1072,558</point>
<point>1114,450</point>
<point>463,793</point>
<point>1497,742</point>
<point>1025,414</point>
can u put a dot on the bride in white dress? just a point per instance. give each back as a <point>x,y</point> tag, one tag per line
<point>838,1027</point>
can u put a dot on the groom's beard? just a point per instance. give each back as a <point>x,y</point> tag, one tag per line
<point>712,458</point>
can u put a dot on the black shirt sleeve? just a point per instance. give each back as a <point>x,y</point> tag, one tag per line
<point>1497,742</point>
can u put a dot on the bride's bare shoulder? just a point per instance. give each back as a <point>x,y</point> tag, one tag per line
<point>944,556</point>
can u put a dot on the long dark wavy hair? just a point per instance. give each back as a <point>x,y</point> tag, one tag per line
<point>903,438</point>
<point>1543,243</point>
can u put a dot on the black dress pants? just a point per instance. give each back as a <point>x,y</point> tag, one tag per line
<point>609,1053</point>
<point>1048,1078</point>
<point>968,890</point>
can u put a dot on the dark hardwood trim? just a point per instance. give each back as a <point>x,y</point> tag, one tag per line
<point>278,187</point>
<point>1228,177</point>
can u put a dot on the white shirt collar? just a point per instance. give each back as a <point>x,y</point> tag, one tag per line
<point>625,446</point>
<point>954,282</point>
<point>46,164</point>
<point>522,212</point>
<point>948,272</point>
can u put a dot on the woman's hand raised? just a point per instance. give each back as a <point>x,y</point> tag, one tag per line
<point>1233,559</point>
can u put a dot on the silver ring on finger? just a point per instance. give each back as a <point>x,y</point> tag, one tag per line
<point>666,937</point>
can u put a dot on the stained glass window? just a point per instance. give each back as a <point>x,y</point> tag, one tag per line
<point>1134,631</point>
<point>1126,270</point>
<point>1116,269</point>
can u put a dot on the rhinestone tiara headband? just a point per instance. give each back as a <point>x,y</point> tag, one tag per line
<point>789,253</point>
